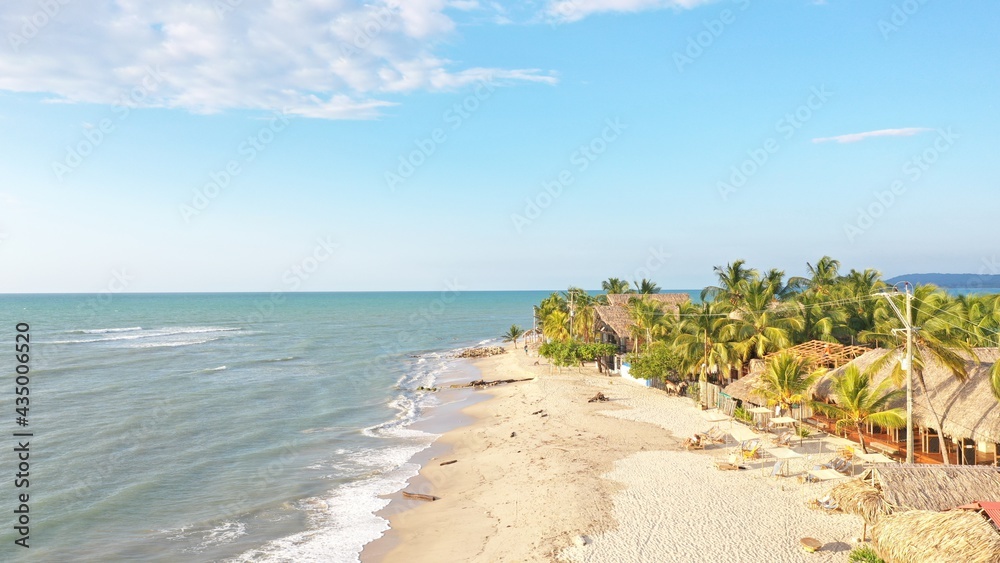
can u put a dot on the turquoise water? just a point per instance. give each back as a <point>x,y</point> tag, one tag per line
<point>243,427</point>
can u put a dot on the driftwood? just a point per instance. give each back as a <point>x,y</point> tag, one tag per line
<point>418,496</point>
<point>537,412</point>
<point>598,397</point>
<point>480,383</point>
<point>448,462</point>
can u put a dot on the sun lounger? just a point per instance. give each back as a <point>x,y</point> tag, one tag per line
<point>695,443</point>
<point>717,435</point>
<point>778,468</point>
<point>750,449</point>
<point>784,439</point>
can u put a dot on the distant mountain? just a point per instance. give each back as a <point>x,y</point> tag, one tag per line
<point>966,281</point>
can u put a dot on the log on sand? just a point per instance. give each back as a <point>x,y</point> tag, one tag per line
<point>418,496</point>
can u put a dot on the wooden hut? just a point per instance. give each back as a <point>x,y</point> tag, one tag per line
<point>613,323</point>
<point>970,413</point>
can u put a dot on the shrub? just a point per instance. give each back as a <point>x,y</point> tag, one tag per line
<point>864,554</point>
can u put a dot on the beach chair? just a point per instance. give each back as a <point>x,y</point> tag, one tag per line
<point>695,443</point>
<point>716,435</point>
<point>750,449</point>
<point>777,470</point>
<point>784,439</point>
<point>826,503</point>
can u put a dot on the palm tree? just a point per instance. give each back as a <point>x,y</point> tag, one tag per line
<point>859,402</point>
<point>512,334</point>
<point>646,287</point>
<point>556,326</point>
<point>822,277</point>
<point>730,278</point>
<point>612,286</point>
<point>936,340</point>
<point>700,342</point>
<point>553,302</point>
<point>820,321</point>
<point>648,318</point>
<point>859,288</point>
<point>759,327</point>
<point>786,381</point>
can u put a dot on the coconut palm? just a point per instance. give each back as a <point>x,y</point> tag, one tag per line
<point>786,381</point>
<point>936,340</point>
<point>859,402</point>
<point>556,326</point>
<point>700,342</point>
<point>730,277</point>
<point>820,321</point>
<point>646,287</point>
<point>613,286</point>
<point>760,326</point>
<point>822,277</point>
<point>553,302</point>
<point>512,334</point>
<point>860,288</point>
<point>648,319</point>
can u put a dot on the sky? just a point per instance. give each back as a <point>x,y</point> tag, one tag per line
<point>338,145</point>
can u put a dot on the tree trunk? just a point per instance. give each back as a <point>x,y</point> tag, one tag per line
<point>937,417</point>
<point>861,437</point>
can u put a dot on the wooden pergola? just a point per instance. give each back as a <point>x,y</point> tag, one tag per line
<point>818,353</point>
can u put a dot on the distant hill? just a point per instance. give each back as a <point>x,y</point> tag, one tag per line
<point>967,281</point>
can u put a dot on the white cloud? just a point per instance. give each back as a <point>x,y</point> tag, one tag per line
<point>574,10</point>
<point>334,59</point>
<point>855,137</point>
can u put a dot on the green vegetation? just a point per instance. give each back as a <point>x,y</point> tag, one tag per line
<point>512,334</point>
<point>750,314</point>
<point>859,402</point>
<point>864,554</point>
<point>659,362</point>
<point>573,353</point>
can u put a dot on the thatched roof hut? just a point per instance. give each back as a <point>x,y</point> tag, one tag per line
<point>861,499</point>
<point>615,321</point>
<point>968,408</point>
<point>933,487</point>
<point>675,299</point>
<point>921,536</point>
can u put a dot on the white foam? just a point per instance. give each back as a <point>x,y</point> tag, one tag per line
<point>106,330</point>
<point>344,521</point>
<point>220,368</point>
<point>156,333</point>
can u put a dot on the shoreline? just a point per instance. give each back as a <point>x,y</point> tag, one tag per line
<point>597,482</point>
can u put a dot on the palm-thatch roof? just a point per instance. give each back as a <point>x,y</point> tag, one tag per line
<point>674,299</point>
<point>861,499</point>
<point>615,318</point>
<point>921,536</point>
<point>743,388</point>
<point>968,409</point>
<point>933,487</point>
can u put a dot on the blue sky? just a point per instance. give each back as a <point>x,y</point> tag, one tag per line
<point>408,147</point>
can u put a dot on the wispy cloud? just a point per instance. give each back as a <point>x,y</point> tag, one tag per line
<point>855,137</point>
<point>575,10</point>
<point>327,59</point>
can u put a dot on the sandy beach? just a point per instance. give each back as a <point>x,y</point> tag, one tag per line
<point>543,475</point>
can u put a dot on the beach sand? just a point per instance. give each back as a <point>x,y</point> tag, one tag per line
<point>603,481</point>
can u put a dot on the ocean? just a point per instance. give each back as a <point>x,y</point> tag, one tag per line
<point>227,427</point>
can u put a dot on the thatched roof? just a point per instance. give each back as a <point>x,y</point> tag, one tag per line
<point>615,318</point>
<point>743,387</point>
<point>968,409</point>
<point>674,299</point>
<point>924,537</point>
<point>861,499</point>
<point>933,487</point>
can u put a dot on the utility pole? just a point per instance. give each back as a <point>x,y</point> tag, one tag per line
<point>572,310</point>
<point>909,375</point>
<point>908,327</point>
